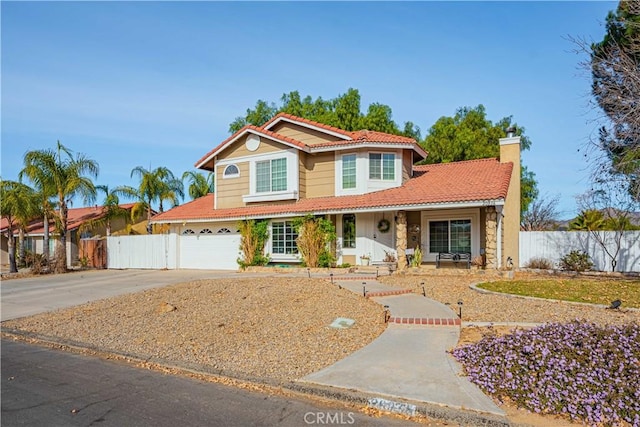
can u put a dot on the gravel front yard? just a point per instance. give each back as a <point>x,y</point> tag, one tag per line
<point>496,308</point>
<point>272,328</point>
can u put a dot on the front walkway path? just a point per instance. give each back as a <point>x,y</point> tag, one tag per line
<point>408,361</point>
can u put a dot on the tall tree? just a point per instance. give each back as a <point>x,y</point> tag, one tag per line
<point>199,184</point>
<point>19,204</point>
<point>66,175</point>
<point>343,112</point>
<point>614,64</point>
<point>470,135</point>
<point>111,210</point>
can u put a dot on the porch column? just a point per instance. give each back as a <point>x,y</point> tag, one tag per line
<point>491,232</point>
<point>401,239</point>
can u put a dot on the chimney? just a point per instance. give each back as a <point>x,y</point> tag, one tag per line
<point>510,219</point>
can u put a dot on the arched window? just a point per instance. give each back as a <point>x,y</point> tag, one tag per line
<point>231,171</point>
<point>224,230</point>
<point>205,231</point>
<point>188,231</point>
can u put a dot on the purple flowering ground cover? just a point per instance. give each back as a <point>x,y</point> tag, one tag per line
<point>588,372</point>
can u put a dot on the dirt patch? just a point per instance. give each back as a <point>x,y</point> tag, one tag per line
<point>273,328</point>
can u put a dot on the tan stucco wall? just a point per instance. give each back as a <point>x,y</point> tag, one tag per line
<point>320,175</point>
<point>303,134</point>
<point>238,149</point>
<point>407,165</point>
<point>229,191</point>
<point>510,152</point>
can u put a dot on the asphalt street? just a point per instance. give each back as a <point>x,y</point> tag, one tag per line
<point>44,387</point>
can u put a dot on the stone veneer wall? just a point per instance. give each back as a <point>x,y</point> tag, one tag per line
<point>401,239</point>
<point>491,233</point>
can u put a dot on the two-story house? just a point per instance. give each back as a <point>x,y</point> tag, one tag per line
<point>365,182</point>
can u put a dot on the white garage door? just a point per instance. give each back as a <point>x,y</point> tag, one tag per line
<point>209,251</point>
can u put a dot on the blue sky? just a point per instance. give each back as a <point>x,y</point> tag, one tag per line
<point>157,83</point>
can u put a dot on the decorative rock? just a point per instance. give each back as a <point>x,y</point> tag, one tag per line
<point>166,308</point>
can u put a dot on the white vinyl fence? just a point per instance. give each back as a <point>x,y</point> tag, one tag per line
<point>155,251</point>
<point>553,245</point>
<point>170,251</point>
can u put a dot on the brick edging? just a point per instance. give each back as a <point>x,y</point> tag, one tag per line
<point>387,293</point>
<point>425,321</point>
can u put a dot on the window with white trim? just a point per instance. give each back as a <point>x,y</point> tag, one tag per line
<point>231,171</point>
<point>205,231</point>
<point>382,166</point>
<point>223,230</point>
<point>283,238</point>
<point>271,175</point>
<point>188,231</point>
<point>450,236</point>
<point>348,231</point>
<point>349,171</point>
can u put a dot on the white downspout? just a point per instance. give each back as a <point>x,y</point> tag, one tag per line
<point>499,216</point>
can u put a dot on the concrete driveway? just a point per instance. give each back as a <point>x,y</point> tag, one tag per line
<point>33,295</point>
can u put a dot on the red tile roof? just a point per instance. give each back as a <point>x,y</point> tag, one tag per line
<point>75,218</point>
<point>355,137</point>
<point>446,183</point>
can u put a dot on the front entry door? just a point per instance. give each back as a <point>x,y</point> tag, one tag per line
<point>383,240</point>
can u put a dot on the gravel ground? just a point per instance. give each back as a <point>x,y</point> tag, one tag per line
<point>273,328</point>
<point>481,307</point>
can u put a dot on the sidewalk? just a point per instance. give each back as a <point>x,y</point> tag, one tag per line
<point>408,361</point>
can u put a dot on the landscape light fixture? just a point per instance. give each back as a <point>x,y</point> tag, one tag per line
<point>377,271</point>
<point>364,289</point>
<point>424,293</point>
<point>331,276</point>
<point>460,308</point>
<point>309,272</point>
<point>387,314</point>
<point>615,305</point>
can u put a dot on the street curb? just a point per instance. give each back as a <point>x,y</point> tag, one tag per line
<point>461,416</point>
<point>474,286</point>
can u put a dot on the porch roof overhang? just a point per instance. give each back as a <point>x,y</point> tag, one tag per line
<point>294,212</point>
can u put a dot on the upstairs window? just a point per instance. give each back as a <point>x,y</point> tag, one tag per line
<point>349,171</point>
<point>349,231</point>
<point>382,166</point>
<point>271,175</point>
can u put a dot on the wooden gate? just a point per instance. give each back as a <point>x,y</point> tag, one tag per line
<point>93,252</point>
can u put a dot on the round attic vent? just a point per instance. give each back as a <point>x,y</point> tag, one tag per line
<point>252,143</point>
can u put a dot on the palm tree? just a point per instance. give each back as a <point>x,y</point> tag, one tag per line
<point>200,185</point>
<point>155,185</point>
<point>588,220</point>
<point>19,204</point>
<point>45,193</point>
<point>59,171</point>
<point>111,210</point>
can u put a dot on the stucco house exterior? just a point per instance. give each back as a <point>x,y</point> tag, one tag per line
<point>76,218</point>
<point>367,183</point>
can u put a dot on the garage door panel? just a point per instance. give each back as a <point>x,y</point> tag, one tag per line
<point>207,251</point>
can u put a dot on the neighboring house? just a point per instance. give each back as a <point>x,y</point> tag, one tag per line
<point>365,182</point>
<point>76,217</point>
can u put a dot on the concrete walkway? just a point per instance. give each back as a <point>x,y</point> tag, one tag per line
<point>408,361</point>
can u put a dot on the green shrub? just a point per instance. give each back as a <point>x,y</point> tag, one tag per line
<point>540,263</point>
<point>576,261</point>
